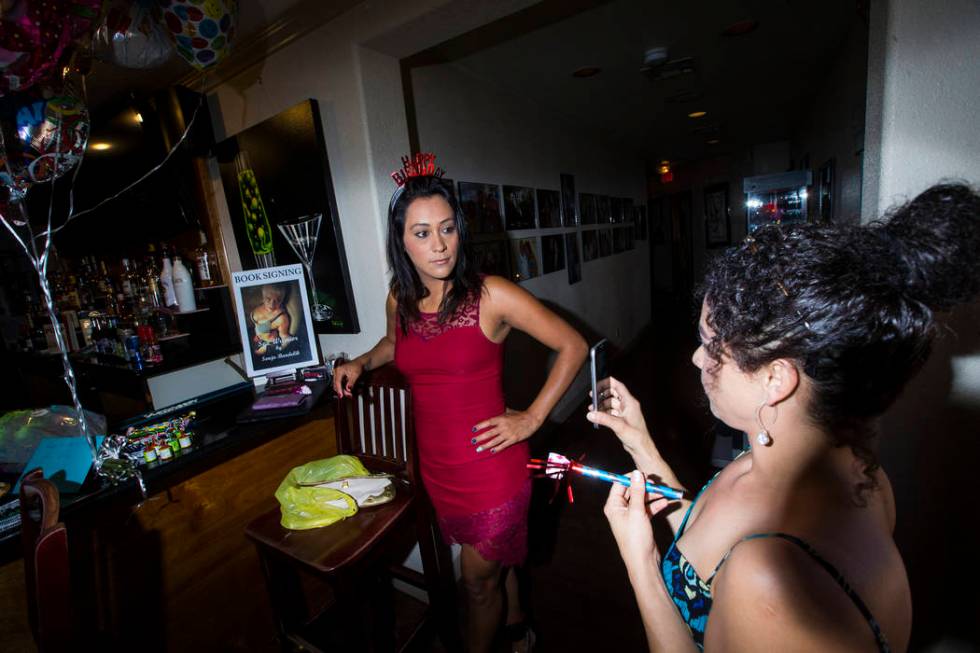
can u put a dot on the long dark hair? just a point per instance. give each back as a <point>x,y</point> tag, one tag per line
<point>852,305</point>
<point>406,286</point>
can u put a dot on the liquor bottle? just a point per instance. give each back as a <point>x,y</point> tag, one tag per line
<point>205,261</point>
<point>126,280</point>
<point>167,281</point>
<point>151,282</point>
<point>183,287</point>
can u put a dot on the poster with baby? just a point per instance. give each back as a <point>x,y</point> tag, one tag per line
<point>274,319</point>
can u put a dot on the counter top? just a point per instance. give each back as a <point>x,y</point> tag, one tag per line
<point>217,438</point>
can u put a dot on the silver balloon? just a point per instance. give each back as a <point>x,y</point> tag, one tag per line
<point>133,35</point>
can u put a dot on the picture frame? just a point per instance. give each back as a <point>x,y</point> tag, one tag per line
<point>525,259</point>
<point>480,204</point>
<point>549,209</point>
<point>274,319</point>
<point>279,168</point>
<point>492,257</point>
<point>605,242</point>
<point>552,253</point>
<point>569,212</point>
<point>519,208</point>
<point>590,245</point>
<point>717,221</point>
<point>572,257</point>
<point>587,208</point>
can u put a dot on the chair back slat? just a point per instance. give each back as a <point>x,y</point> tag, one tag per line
<point>377,419</point>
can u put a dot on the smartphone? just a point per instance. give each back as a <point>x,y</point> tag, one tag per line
<point>598,370</point>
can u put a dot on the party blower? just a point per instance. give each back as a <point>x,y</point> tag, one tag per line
<point>557,466</point>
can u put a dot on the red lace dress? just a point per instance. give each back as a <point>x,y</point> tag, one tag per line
<point>455,371</point>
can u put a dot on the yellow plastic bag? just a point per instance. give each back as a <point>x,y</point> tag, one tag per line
<point>304,506</point>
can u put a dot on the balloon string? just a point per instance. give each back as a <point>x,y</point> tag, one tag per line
<point>152,170</point>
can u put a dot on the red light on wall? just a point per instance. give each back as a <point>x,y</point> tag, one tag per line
<point>666,177</point>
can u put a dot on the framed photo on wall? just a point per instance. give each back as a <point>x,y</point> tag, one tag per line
<point>549,208</point>
<point>492,257</point>
<point>524,253</point>
<point>552,253</point>
<point>568,213</point>
<point>571,254</point>
<point>274,319</point>
<point>587,208</point>
<point>590,244</point>
<point>519,207</point>
<point>274,173</point>
<point>481,206</point>
<point>717,224</point>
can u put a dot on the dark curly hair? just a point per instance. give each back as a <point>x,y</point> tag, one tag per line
<point>406,285</point>
<point>852,305</point>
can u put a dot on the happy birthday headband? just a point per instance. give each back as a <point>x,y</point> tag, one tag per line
<point>422,164</point>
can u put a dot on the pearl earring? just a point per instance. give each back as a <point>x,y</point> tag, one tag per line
<point>763,437</point>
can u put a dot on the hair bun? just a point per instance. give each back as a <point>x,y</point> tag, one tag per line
<point>937,238</point>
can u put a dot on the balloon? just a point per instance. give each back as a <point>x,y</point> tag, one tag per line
<point>45,136</point>
<point>35,35</point>
<point>202,30</point>
<point>133,36</point>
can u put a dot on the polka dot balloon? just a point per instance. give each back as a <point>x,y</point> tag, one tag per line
<point>202,30</point>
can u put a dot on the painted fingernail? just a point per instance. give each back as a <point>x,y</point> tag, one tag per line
<point>479,449</point>
<point>493,451</point>
<point>473,429</point>
<point>472,440</point>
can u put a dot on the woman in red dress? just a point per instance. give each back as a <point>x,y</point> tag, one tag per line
<point>446,328</point>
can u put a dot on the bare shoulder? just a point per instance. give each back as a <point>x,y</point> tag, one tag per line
<point>505,295</point>
<point>796,604</point>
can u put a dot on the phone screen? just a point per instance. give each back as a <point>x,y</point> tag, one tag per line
<point>598,370</point>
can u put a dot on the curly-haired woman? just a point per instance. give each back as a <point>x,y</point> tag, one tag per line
<point>807,336</point>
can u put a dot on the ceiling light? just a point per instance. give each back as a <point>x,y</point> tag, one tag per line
<point>697,114</point>
<point>654,57</point>
<point>741,27</point>
<point>100,146</point>
<point>587,71</point>
<point>139,117</point>
<point>714,141</point>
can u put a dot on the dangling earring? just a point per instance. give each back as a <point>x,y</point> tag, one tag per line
<point>763,437</point>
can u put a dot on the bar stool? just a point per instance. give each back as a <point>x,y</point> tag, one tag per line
<point>357,557</point>
<point>46,568</point>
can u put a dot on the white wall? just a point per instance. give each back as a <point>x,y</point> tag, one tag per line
<point>922,114</point>
<point>362,110</point>
<point>483,133</point>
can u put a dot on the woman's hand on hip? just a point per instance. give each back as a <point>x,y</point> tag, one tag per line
<point>628,510</point>
<point>505,430</point>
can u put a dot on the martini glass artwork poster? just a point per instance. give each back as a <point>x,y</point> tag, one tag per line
<point>302,234</point>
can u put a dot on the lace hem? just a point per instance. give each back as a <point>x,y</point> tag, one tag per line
<point>499,533</point>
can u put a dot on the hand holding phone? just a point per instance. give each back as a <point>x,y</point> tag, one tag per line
<point>598,370</point>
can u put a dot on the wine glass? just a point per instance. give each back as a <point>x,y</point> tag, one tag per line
<point>301,234</point>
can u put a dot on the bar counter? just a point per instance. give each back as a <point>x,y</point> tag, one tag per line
<point>175,571</point>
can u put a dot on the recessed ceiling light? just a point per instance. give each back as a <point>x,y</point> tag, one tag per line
<point>697,114</point>
<point>587,71</point>
<point>100,146</point>
<point>741,27</point>
<point>714,141</point>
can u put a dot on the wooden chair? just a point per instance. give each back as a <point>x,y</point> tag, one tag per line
<point>355,556</point>
<point>46,568</point>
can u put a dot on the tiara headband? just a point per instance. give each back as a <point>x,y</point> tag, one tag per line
<point>421,164</point>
